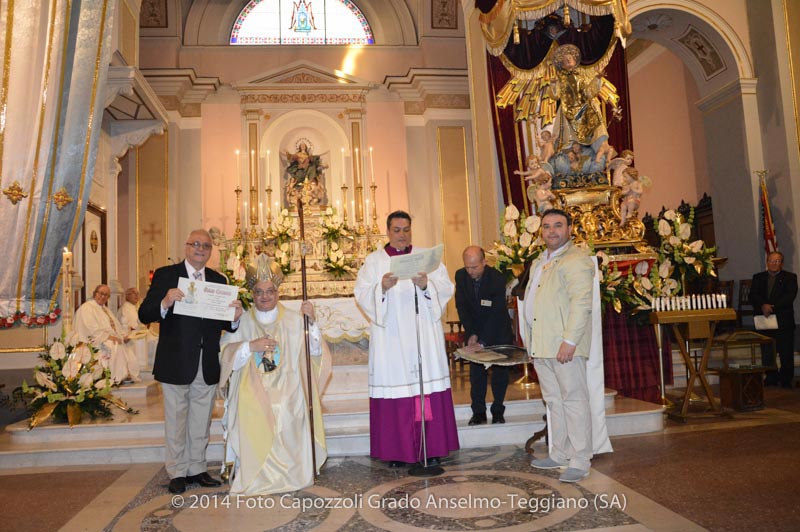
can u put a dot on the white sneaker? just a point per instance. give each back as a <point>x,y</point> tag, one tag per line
<point>546,463</point>
<point>573,474</point>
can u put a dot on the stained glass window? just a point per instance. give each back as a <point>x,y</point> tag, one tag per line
<point>264,22</point>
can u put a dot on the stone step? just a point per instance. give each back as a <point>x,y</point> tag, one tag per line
<point>134,441</point>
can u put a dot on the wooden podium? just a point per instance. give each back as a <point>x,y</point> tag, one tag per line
<point>692,325</point>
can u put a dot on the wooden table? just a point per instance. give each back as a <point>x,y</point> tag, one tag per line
<point>692,325</point>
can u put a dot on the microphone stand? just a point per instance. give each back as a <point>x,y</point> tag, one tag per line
<point>423,469</point>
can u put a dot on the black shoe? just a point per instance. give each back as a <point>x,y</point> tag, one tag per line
<point>394,464</point>
<point>432,461</point>
<point>477,419</point>
<point>204,479</point>
<point>498,419</point>
<point>177,485</point>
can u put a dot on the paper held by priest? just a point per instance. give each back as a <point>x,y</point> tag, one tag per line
<point>408,266</point>
<point>206,300</point>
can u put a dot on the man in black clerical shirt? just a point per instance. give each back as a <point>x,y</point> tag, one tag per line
<point>481,305</point>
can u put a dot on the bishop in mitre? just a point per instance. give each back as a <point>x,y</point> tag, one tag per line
<point>266,410</point>
<point>96,324</point>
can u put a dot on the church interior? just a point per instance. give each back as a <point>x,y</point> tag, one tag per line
<point>292,128</point>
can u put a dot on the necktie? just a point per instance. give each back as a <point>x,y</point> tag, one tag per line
<point>477,288</point>
<point>198,276</point>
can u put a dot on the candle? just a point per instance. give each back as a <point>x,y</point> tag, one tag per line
<point>238,171</point>
<point>371,165</point>
<point>269,174</point>
<point>66,261</point>
<point>260,213</point>
<point>724,300</point>
<point>353,208</point>
<point>337,208</point>
<point>246,215</point>
<point>344,168</point>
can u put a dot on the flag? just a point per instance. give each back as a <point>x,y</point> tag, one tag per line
<point>770,241</point>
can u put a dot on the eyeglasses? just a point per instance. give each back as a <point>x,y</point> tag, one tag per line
<point>200,245</point>
<point>267,292</point>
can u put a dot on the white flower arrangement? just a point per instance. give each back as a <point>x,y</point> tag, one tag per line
<point>234,266</point>
<point>283,256</point>
<point>680,259</point>
<point>286,228</point>
<point>74,379</point>
<point>336,264</point>
<point>519,243</point>
<point>332,228</point>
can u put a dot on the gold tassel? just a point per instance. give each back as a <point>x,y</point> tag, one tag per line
<point>566,13</point>
<point>516,32</point>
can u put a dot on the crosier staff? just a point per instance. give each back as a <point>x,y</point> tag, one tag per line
<point>305,329</point>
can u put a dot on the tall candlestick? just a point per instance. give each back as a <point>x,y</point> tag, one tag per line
<point>246,216</point>
<point>371,165</point>
<point>344,168</point>
<point>260,213</point>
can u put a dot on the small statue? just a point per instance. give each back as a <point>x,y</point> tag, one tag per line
<point>540,183</point>
<point>546,149</point>
<point>618,166</point>
<point>632,189</point>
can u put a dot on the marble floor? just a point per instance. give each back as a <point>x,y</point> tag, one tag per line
<point>737,473</point>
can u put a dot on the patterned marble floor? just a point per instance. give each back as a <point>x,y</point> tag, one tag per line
<point>717,474</point>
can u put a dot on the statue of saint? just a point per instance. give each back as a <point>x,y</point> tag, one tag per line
<point>303,169</point>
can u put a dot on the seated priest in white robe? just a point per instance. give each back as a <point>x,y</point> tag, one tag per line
<point>96,324</point>
<point>267,417</point>
<point>142,339</point>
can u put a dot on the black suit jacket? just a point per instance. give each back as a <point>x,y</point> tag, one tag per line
<point>182,338</point>
<point>491,324</point>
<point>781,298</point>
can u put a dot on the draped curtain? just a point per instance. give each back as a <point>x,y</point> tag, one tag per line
<point>54,70</point>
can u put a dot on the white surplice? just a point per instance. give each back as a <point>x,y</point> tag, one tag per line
<point>96,324</point>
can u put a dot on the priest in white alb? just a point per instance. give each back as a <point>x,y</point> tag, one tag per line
<point>95,323</point>
<point>394,386</point>
<point>266,417</point>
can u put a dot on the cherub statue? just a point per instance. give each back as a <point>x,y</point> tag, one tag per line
<point>632,188</point>
<point>540,182</point>
<point>618,167</point>
<point>546,149</point>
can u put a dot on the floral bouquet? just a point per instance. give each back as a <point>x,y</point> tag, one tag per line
<point>685,260</point>
<point>234,266</point>
<point>336,264</point>
<point>519,243</point>
<point>637,287</point>
<point>283,256</point>
<point>74,379</point>
<point>285,228</point>
<point>331,227</point>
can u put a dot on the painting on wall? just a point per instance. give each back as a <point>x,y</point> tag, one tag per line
<point>444,15</point>
<point>93,241</point>
<point>702,49</point>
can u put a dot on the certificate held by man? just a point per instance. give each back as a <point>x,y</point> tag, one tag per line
<point>206,300</point>
<point>408,266</point>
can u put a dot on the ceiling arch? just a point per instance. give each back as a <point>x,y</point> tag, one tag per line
<point>709,47</point>
<point>209,22</point>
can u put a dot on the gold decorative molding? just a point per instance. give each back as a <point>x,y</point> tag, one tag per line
<point>62,198</point>
<point>304,77</point>
<point>303,98</point>
<point>15,193</point>
<point>447,101</point>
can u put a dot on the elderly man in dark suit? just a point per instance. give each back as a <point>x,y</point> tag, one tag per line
<point>773,292</point>
<point>481,305</point>
<point>186,364</point>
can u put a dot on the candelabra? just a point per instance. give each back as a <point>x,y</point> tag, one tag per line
<point>269,208</point>
<point>359,214</point>
<point>375,230</point>
<point>344,204</point>
<point>238,233</point>
<point>253,214</point>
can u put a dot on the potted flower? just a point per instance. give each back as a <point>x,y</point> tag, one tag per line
<point>336,264</point>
